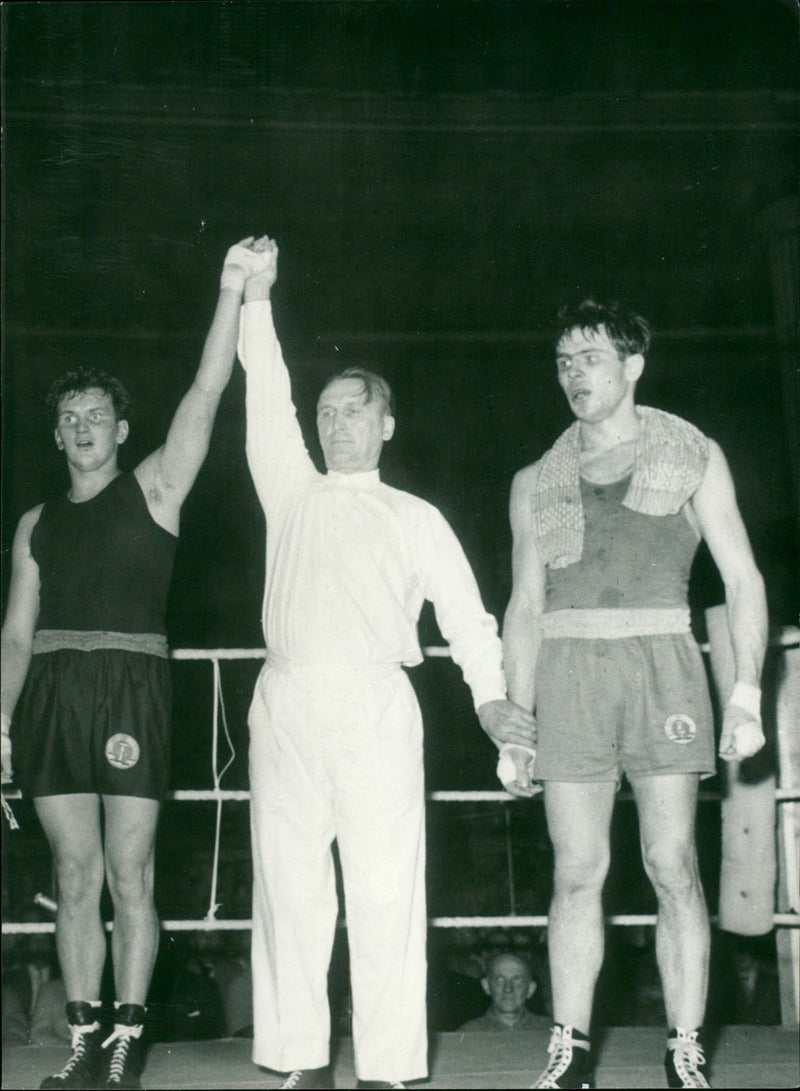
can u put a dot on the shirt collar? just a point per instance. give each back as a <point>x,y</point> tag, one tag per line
<point>367,479</point>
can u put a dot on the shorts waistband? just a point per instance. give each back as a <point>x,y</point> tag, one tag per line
<point>614,624</point>
<point>372,670</point>
<point>54,640</point>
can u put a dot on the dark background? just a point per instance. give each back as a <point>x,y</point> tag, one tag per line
<point>440,178</point>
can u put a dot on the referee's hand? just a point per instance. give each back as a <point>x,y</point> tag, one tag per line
<point>507,722</point>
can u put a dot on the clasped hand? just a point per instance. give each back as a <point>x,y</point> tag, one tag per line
<point>513,729</point>
<point>742,734</point>
<point>507,722</point>
<point>250,258</point>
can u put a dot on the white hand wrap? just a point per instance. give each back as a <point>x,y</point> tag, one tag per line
<point>747,697</point>
<point>748,738</point>
<point>241,263</point>
<point>506,769</point>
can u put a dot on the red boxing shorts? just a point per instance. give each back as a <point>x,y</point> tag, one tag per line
<point>637,705</point>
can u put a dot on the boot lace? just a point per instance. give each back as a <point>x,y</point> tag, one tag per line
<point>122,1037</point>
<point>688,1058</point>
<point>79,1047</point>
<point>560,1050</point>
<point>562,1054</point>
<point>294,1079</point>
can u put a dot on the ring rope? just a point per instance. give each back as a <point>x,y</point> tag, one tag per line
<point>199,795</point>
<point>788,638</point>
<point>242,795</point>
<point>779,920</point>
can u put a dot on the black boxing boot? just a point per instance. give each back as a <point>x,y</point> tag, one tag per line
<point>125,1057</point>
<point>569,1064</point>
<point>86,1063</point>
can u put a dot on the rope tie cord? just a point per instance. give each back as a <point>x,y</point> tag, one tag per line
<point>218,774</point>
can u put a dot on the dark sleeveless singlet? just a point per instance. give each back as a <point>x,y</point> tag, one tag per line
<point>98,721</point>
<point>629,561</point>
<point>104,564</point>
<point>608,706</point>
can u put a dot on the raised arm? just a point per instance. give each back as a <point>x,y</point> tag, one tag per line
<point>168,474</point>
<point>714,505</point>
<point>276,453</point>
<point>18,628</point>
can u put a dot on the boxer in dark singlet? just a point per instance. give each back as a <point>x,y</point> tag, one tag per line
<point>85,677</point>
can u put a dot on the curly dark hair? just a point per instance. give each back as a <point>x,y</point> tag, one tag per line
<point>629,333</point>
<point>88,378</point>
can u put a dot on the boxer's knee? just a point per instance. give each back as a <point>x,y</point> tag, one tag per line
<point>79,876</point>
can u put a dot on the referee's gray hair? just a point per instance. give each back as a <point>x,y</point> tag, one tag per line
<point>375,386</point>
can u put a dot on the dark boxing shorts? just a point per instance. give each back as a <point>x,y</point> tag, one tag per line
<point>94,721</point>
<point>635,705</point>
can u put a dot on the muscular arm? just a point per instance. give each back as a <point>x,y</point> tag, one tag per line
<point>521,638</point>
<point>714,505</point>
<point>19,624</point>
<point>168,474</point>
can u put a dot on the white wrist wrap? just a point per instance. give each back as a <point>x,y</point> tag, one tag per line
<point>233,277</point>
<point>506,770</point>
<point>5,723</point>
<point>747,697</point>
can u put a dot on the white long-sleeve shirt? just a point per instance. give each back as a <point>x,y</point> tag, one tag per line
<point>351,560</point>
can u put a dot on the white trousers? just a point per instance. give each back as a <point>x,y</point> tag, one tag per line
<point>338,754</point>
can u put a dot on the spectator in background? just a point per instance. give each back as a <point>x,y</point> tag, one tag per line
<point>49,1026</point>
<point>15,1018</point>
<point>195,1004</point>
<point>509,983</point>
<point>29,964</point>
<point>234,977</point>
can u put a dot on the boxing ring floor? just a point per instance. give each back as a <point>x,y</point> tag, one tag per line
<point>741,1056</point>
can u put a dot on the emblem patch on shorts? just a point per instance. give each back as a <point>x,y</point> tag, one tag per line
<point>122,751</point>
<point>680,728</point>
